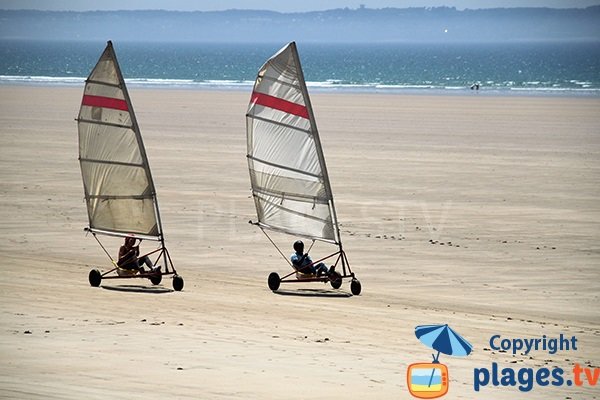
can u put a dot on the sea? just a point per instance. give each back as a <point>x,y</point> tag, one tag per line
<point>541,68</point>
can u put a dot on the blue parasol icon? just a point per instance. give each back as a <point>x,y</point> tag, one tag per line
<point>443,339</point>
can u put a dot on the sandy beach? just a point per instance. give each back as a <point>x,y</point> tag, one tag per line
<point>479,212</point>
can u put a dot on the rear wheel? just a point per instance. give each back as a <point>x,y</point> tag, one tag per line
<point>95,277</point>
<point>177,283</point>
<point>336,280</point>
<point>355,287</point>
<point>274,281</point>
<point>156,279</point>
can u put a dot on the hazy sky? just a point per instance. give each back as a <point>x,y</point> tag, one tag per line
<point>278,5</point>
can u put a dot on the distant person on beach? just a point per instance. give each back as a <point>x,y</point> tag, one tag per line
<point>303,263</point>
<point>475,86</point>
<point>129,257</point>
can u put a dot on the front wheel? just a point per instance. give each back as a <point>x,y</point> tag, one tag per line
<point>95,277</point>
<point>274,281</point>
<point>355,287</point>
<point>177,283</point>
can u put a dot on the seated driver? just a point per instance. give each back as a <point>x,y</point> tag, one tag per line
<point>128,257</point>
<point>303,263</point>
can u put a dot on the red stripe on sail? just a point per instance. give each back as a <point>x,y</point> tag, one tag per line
<point>279,104</point>
<point>105,102</point>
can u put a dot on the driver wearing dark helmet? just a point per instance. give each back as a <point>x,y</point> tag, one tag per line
<point>303,263</point>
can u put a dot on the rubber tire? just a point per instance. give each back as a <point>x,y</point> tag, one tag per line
<point>156,279</point>
<point>274,281</point>
<point>95,277</point>
<point>355,287</point>
<point>177,283</point>
<point>336,280</point>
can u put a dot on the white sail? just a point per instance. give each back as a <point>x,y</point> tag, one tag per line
<point>287,169</point>
<point>118,186</point>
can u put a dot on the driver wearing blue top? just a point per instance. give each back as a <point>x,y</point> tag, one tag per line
<point>304,264</point>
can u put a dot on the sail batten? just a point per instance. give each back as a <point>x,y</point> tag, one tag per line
<point>112,197</point>
<point>281,81</point>
<point>83,120</point>
<point>117,181</point>
<point>272,164</point>
<point>289,195</point>
<point>269,121</point>
<point>288,174</point>
<point>109,84</point>
<point>112,162</point>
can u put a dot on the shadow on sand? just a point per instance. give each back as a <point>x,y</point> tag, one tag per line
<point>312,293</point>
<point>138,289</point>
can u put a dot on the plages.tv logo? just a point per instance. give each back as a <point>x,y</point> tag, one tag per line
<point>526,379</point>
<point>431,380</point>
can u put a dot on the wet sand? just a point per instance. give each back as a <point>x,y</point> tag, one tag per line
<point>480,212</point>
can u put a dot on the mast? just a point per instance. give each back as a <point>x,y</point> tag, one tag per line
<point>138,136</point>
<point>313,123</point>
